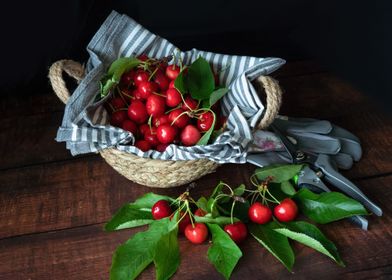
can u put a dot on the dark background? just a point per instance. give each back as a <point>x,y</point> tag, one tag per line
<point>351,38</point>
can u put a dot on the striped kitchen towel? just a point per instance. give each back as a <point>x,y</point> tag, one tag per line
<point>85,127</point>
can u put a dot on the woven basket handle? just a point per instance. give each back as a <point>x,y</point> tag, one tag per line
<point>72,68</point>
<point>76,70</point>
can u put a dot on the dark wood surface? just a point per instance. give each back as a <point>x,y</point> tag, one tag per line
<point>53,206</point>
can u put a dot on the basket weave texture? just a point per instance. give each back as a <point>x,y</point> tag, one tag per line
<point>153,172</point>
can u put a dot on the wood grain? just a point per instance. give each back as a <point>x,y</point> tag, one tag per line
<point>85,252</point>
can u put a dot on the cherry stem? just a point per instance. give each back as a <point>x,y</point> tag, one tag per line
<point>179,116</point>
<point>232,211</point>
<point>276,201</point>
<point>152,74</point>
<point>156,93</point>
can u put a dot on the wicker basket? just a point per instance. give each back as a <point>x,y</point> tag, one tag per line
<point>153,172</point>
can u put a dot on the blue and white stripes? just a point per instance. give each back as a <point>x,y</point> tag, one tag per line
<point>85,125</point>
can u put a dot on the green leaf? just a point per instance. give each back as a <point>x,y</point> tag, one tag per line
<point>239,191</point>
<point>149,199</point>
<point>311,236</point>
<point>127,217</point>
<point>276,190</point>
<point>287,188</point>
<point>131,258</point>
<point>107,86</point>
<point>276,243</point>
<point>220,220</point>
<point>202,203</point>
<point>223,253</point>
<point>122,65</point>
<point>180,84</point>
<point>279,173</point>
<point>327,207</point>
<point>216,95</point>
<point>212,207</point>
<point>240,210</point>
<point>200,79</point>
<point>167,255</point>
<point>204,139</point>
<point>218,189</point>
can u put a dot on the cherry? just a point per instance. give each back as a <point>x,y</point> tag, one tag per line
<point>204,122</point>
<point>127,77</point>
<point>190,135</point>
<point>155,105</point>
<point>143,129</point>
<point>129,126</point>
<point>142,57</point>
<point>151,136</point>
<point>171,84</point>
<point>185,220</point>
<point>173,97</point>
<point>196,234</point>
<point>237,231</point>
<point>161,80</point>
<point>200,212</point>
<point>143,145</point>
<point>137,112</point>
<point>137,94</point>
<point>259,213</point>
<point>141,76</point>
<point>161,147</point>
<point>166,133</point>
<point>118,103</point>
<point>147,88</point>
<point>118,117</point>
<point>162,119</point>
<point>180,122</point>
<point>161,209</point>
<point>172,71</point>
<point>286,211</point>
<point>190,104</point>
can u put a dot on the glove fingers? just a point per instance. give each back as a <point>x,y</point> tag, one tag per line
<point>343,161</point>
<point>351,148</point>
<point>317,143</point>
<point>339,132</point>
<point>303,125</point>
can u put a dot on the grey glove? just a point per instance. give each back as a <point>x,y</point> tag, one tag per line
<point>316,136</point>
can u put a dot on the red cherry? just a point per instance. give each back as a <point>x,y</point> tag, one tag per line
<point>155,105</point>
<point>137,112</point>
<point>200,212</point>
<point>118,103</point>
<point>286,211</point>
<point>259,213</point>
<point>185,220</point>
<point>172,71</point>
<point>143,129</point>
<point>161,209</point>
<point>204,122</point>
<point>237,231</point>
<point>142,57</point>
<point>166,133</point>
<point>190,135</point>
<point>162,119</point>
<point>171,84</point>
<point>147,88</point>
<point>129,126</point>
<point>127,77</point>
<point>161,147</point>
<point>190,104</point>
<point>161,80</point>
<point>196,234</point>
<point>136,94</point>
<point>143,145</point>
<point>173,97</point>
<point>180,122</point>
<point>141,76</point>
<point>118,117</point>
<point>151,136</point>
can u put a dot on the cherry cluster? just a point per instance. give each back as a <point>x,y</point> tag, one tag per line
<point>147,104</point>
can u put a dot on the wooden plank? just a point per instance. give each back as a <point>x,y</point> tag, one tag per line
<point>85,252</point>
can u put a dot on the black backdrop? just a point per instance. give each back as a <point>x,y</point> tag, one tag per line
<point>352,38</point>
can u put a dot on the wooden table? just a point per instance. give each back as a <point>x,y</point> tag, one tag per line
<point>54,206</point>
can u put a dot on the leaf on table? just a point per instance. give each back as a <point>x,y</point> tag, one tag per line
<point>276,243</point>
<point>220,220</point>
<point>239,191</point>
<point>131,258</point>
<point>200,80</point>
<point>149,199</point>
<point>240,210</point>
<point>277,191</point>
<point>127,217</point>
<point>223,253</point>
<point>287,188</point>
<point>328,206</point>
<point>311,236</point>
<point>202,203</point>
<point>279,173</point>
<point>167,255</point>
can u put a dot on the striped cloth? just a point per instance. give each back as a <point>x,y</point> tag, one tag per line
<point>85,127</point>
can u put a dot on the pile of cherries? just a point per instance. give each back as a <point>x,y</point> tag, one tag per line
<point>147,104</point>
<point>197,233</point>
